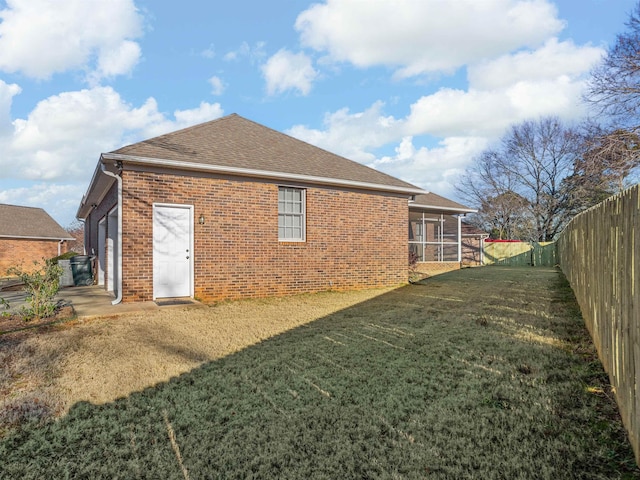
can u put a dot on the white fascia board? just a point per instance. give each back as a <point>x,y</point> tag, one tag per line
<point>28,237</point>
<point>446,209</point>
<point>248,172</point>
<point>98,180</point>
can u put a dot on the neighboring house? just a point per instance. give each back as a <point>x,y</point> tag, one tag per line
<point>437,234</point>
<point>230,208</point>
<point>29,234</point>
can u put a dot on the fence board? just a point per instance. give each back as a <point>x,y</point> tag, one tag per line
<point>520,254</point>
<point>598,252</point>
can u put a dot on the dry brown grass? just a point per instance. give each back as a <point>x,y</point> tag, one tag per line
<point>479,373</point>
<point>45,371</point>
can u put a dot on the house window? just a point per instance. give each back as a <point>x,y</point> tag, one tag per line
<point>291,212</point>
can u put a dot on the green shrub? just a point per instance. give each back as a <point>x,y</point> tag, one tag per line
<point>42,285</point>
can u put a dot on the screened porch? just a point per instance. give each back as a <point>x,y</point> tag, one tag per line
<point>435,228</point>
<point>435,238</point>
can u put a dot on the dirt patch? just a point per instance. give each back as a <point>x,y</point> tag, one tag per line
<point>14,322</point>
<point>47,370</point>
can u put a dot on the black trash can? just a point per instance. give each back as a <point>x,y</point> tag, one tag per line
<point>81,268</point>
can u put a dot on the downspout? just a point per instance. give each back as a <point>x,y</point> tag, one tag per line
<point>118,178</point>
<point>459,238</point>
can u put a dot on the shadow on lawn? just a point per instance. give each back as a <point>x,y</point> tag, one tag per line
<point>431,380</point>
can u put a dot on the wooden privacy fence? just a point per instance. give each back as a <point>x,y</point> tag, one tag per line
<point>535,254</point>
<point>599,253</point>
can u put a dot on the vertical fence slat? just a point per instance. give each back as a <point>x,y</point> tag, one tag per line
<point>598,252</point>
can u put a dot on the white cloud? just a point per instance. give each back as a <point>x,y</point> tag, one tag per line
<point>434,169</point>
<point>289,71</point>
<point>209,52</point>
<point>358,135</point>
<point>509,90</point>
<point>419,36</point>
<point>560,97</point>
<point>41,37</point>
<point>119,59</point>
<point>59,200</point>
<point>465,121</point>
<point>254,54</point>
<point>552,60</point>
<point>7,92</point>
<point>64,134</point>
<point>217,87</point>
<point>352,135</point>
<point>203,113</point>
<point>450,112</point>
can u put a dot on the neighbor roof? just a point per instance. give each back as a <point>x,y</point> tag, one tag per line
<point>29,222</point>
<point>431,201</point>
<point>472,230</point>
<point>240,144</point>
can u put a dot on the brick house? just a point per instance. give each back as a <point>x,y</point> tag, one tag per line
<point>439,238</point>
<point>29,234</point>
<point>230,209</point>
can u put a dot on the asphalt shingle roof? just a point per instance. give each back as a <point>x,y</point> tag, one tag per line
<point>234,141</point>
<point>18,221</point>
<point>468,229</point>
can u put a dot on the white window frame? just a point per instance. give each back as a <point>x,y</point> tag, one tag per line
<point>302,215</point>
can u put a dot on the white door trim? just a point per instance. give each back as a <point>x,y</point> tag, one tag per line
<point>190,208</point>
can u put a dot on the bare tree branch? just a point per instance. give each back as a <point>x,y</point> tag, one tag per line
<point>614,88</point>
<point>517,185</point>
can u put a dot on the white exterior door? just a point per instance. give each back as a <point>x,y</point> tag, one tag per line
<point>172,251</point>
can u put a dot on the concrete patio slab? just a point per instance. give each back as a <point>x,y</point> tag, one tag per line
<point>94,301</point>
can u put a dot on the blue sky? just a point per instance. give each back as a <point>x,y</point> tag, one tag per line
<point>415,88</point>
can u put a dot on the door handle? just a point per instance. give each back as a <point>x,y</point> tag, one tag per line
<point>187,257</point>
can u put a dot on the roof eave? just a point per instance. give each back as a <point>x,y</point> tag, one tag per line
<point>98,188</point>
<point>247,172</point>
<point>446,209</point>
<point>37,237</point>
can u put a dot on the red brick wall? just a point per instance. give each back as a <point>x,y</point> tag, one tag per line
<point>21,251</point>
<point>353,239</point>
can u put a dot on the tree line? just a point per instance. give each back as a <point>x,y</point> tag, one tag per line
<point>543,172</point>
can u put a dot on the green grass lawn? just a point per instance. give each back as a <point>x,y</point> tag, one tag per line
<point>481,373</point>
